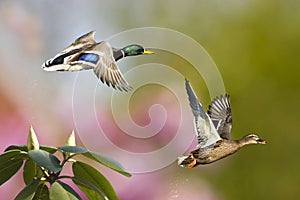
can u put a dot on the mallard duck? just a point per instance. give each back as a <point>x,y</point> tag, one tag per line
<point>85,53</point>
<point>213,132</point>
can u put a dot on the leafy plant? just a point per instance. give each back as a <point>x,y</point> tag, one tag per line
<point>42,170</point>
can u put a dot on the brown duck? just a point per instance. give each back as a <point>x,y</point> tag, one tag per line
<point>213,132</point>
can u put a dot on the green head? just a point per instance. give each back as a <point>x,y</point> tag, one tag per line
<point>135,49</point>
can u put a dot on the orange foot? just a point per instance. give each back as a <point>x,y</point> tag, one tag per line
<point>192,164</point>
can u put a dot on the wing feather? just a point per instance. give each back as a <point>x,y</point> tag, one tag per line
<point>220,113</point>
<point>107,69</point>
<point>205,130</point>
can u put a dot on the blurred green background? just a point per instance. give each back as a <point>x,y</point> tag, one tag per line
<point>255,45</point>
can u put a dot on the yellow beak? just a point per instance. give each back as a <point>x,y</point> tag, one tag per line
<point>146,51</point>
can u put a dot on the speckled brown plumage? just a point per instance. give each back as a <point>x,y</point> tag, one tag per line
<point>213,132</point>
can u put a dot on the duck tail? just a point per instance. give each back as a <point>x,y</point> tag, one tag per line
<point>187,161</point>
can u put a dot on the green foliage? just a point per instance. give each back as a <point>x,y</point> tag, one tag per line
<point>72,149</point>
<point>42,171</point>
<point>42,192</point>
<point>45,159</point>
<point>88,173</point>
<point>10,163</point>
<point>29,191</point>
<point>23,147</point>
<point>96,156</point>
<point>31,170</point>
<point>60,190</point>
<point>107,161</point>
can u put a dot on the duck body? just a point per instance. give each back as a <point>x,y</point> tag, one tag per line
<point>209,154</point>
<point>217,151</point>
<point>213,132</point>
<point>85,53</point>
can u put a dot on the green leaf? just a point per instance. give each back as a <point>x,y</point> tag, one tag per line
<point>91,191</point>
<point>73,149</point>
<point>12,155</point>
<point>89,174</point>
<point>32,141</point>
<point>98,157</point>
<point>10,163</point>
<point>11,167</point>
<point>42,192</point>
<point>29,191</point>
<point>107,161</point>
<point>31,170</point>
<point>45,159</point>
<point>69,189</point>
<point>60,191</point>
<point>49,149</point>
<point>23,147</point>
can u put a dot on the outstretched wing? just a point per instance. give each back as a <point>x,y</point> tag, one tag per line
<point>205,130</point>
<point>220,114</point>
<point>100,58</point>
<point>107,70</point>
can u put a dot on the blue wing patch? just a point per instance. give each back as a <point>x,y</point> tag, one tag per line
<point>89,57</point>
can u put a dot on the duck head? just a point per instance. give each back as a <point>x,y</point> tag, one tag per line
<point>135,49</point>
<point>251,139</point>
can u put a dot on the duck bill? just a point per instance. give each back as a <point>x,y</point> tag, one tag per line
<point>260,141</point>
<point>146,51</point>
